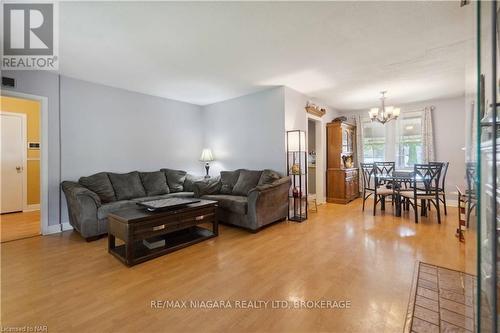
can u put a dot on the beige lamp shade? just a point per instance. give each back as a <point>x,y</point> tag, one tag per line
<point>296,141</point>
<point>206,155</point>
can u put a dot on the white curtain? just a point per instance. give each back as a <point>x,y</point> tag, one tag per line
<point>427,136</point>
<point>359,149</point>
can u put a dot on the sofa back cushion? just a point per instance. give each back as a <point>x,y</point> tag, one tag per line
<point>247,180</point>
<point>155,183</point>
<point>269,176</point>
<point>175,179</point>
<point>101,185</point>
<point>127,185</point>
<point>189,182</point>
<point>228,179</point>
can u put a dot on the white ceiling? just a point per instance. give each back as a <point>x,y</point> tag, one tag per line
<point>343,53</point>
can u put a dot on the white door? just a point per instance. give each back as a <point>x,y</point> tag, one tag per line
<point>12,161</point>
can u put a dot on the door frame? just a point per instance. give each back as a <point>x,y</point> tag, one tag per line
<point>320,137</point>
<point>24,135</point>
<point>44,158</point>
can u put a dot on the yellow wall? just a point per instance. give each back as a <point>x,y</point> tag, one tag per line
<point>32,111</point>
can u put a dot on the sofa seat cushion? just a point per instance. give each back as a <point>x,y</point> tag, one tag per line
<point>165,196</point>
<point>183,194</point>
<point>233,203</point>
<point>127,185</point>
<point>154,197</point>
<point>175,179</point>
<point>100,184</point>
<point>155,183</point>
<point>247,180</point>
<point>104,210</point>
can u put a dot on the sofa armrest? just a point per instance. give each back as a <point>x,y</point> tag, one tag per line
<point>205,187</point>
<point>274,186</point>
<point>74,190</point>
<point>268,203</point>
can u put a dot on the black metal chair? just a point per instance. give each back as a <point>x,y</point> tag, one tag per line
<point>368,170</point>
<point>425,188</point>
<point>470,171</point>
<point>383,187</point>
<point>442,183</point>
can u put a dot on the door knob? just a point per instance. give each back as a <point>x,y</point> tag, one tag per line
<point>18,168</point>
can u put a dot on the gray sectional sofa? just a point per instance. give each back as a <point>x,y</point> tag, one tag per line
<point>249,199</point>
<point>92,198</point>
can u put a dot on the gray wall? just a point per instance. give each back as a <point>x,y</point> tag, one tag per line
<point>121,131</point>
<point>109,129</point>
<point>247,132</point>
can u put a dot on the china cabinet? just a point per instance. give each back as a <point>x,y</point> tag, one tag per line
<point>342,177</point>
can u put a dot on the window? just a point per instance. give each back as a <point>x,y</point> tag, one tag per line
<point>373,142</point>
<point>410,141</point>
<point>399,141</point>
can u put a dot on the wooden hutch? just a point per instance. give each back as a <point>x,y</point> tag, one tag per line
<point>342,182</point>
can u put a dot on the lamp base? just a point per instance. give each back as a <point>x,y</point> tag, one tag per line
<point>207,168</point>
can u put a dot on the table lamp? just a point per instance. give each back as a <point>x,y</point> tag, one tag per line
<point>207,157</point>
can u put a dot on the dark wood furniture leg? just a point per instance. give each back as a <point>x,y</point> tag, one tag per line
<point>129,252</point>
<point>423,207</point>
<point>215,227</point>
<point>111,242</point>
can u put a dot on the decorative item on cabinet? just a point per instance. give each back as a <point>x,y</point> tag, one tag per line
<point>342,181</point>
<point>297,170</point>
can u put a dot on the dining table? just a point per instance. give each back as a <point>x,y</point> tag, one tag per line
<point>400,180</point>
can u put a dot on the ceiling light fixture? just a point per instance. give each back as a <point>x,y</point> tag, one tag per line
<point>385,113</point>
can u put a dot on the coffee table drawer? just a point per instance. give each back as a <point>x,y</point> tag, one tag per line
<point>160,227</point>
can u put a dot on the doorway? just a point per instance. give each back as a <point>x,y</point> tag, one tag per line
<point>311,150</point>
<point>316,136</point>
<point>20,188</point>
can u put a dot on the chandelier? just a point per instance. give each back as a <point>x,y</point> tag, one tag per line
<point>385,113</point>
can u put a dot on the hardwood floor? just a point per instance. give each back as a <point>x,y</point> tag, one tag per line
<point>340,253</point>
<point>19,225</point>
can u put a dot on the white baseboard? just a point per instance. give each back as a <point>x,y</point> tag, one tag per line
<point>451,203</point>
<point>31,208</point>
<point>56,228</point>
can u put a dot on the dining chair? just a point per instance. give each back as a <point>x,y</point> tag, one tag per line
<point>442,183</point>
<point>368,171</point>
<point>425,188</point>
<point>471,199</point>
<point>383,187</point>
<point>385,168</point>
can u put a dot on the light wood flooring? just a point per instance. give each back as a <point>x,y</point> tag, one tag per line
<point>19,225</point>
<point>340,253</point>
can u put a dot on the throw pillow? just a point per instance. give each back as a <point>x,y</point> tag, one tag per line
<point>127,185</point>
<point>268,176</point>
<point>155,183</point>
<point>228,179</point>
<point>247,180</point>
<point>189,182</point>
<point>100,184</point>
<point>175,179</point>
<point>203,187</point>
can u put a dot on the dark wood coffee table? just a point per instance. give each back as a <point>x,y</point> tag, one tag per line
<point>179,228</point>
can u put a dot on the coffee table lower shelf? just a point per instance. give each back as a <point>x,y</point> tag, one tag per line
<point>173,241</point>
